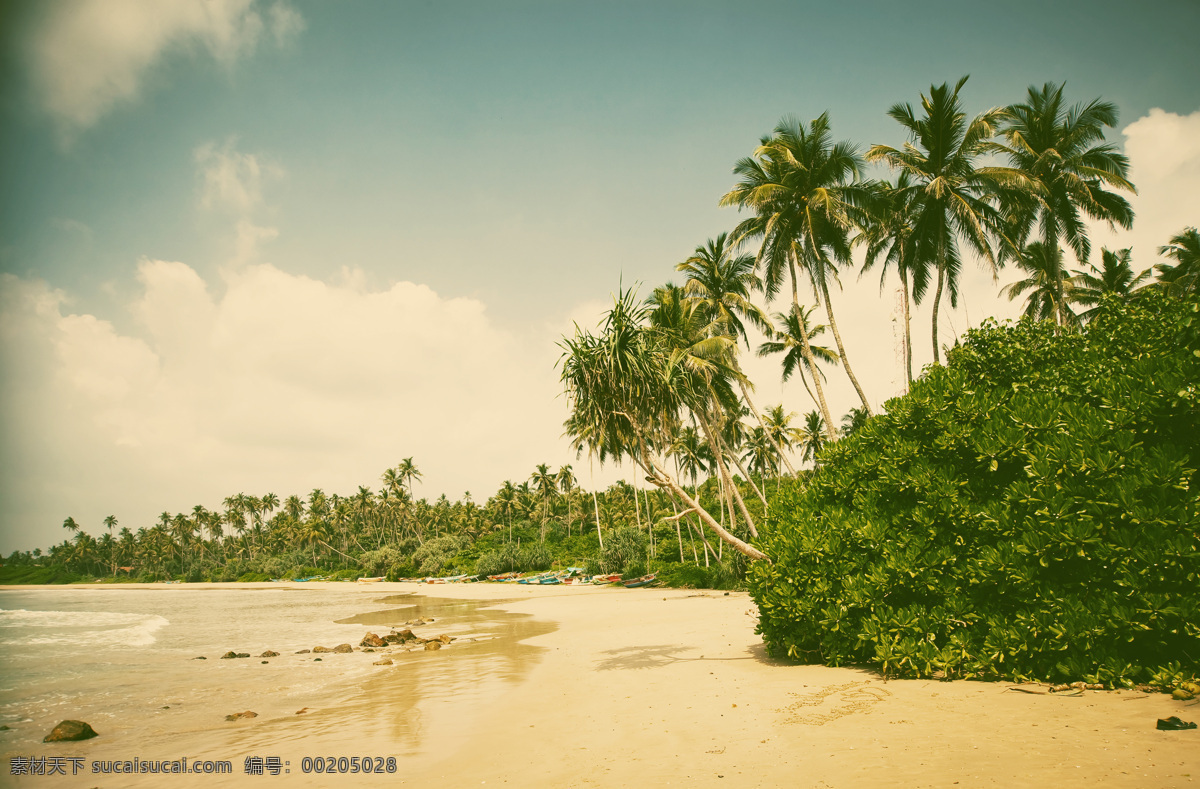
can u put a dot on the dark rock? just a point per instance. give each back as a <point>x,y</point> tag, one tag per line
<point>303,651</point>
<point>432,645</point>
<point>70,731</point>
<point>400,638</point>
<point>384,662</point>
<point>200,658</point>
<point>367,649</point>
<point>231,655</point>
<point>372,640</point>
<point>269,653</point>
<point>265,662</point>
<point>321,649</point>
<point>4,727</point>
<point>237,715</point>
<point>316,660</point>
<point>342,649</point>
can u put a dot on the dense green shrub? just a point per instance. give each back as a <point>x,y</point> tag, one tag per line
<point>624,551</point>
<point>34,574</point>
<point>511,557</point>
<point>1029,511</point>
<point>437,553</point>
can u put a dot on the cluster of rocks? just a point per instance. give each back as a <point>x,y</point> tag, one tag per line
<point>371,642</point>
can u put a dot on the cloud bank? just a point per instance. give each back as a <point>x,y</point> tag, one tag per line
<point>88,55</point>
<point>267,382</point>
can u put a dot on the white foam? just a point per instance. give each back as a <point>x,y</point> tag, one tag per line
<point>107,628</point>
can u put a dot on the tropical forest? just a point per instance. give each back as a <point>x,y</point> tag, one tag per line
<point>1028,508</point>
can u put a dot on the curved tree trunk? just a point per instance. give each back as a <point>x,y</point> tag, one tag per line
<point>808,354</point>
<point>837,338</point>
<point>754,409</point>
<point>937,301</point>
<point>715,441</point>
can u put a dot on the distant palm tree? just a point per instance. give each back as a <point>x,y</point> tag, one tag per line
<point>1115,277</point>
<point>949,193</point>
<point>1045,287</point>
<point>1184,249</point>
<point>547,487</point>
<point>888,233</point>
<point>110,523</point>
<point>853,421</point>
<point>789,339</point>
<point>566,483</point>
<point>813,436</point>
<point>1061,150</point>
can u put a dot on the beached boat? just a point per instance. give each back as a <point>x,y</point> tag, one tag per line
<point>636,583</point>
<point>504,576</point>
<point>606,579</point>
<point>371,580</point>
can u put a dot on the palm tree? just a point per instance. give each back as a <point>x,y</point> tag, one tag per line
<point>853,421</point>
<point>948,198</point>
<point>811,438</point>
<point>110,522</point>
<point>802,189</point>
<point>1184,249</point>
<point>788,339</point>
<point>1115,277</point>
<point>1046,289</point>
<point>888,233</point>
<point>566,483</point>
<point>547,488</point>
<point>628,388</point>
<point>1062,152</point>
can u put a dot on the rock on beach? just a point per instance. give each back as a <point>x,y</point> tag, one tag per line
<point>70,731</point>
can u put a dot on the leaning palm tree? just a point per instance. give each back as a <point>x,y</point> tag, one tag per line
<point>1046,289</point>
<point>720,284</point>
<point>1184,249</point>
<point>801,186</point>
<point>793,329</point>
<point>1061,150</point>
<point>949,192</point>
<point>1115,277</point>
<point>628,389</point>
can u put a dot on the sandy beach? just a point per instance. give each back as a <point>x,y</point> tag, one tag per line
<point>615,687</point>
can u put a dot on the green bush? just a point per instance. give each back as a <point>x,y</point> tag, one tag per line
<point>1030,511</point>
<point>254,577</point>
<point>624,551</point>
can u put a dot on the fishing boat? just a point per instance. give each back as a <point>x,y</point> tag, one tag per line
<point>504,576</point>
<point>606,579</point>
<point>370,580</point>
<point>637,583</point>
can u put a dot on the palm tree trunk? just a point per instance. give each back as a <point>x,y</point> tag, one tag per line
<point>837,338</point>
<point>937,301</point>
<point>758,416</point>
<point>714,440</point>
<point>808,354</point>
<point>907,329</point>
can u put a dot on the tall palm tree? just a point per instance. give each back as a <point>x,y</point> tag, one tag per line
<point>1046,289</point>
<point>788,339</point>
<point>720,284</point>
<point>1184,249</point>
<point>888,233</point>
<point>948,198</point>
<point>802,189</point>
<point>1061,150</point>
<point>110,522</point>
<point>547,487</point>
<point>1115,277</point>
<point>566,483</point>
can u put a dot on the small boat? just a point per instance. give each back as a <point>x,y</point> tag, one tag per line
<point>371,580</point>
<point>637,583</point>
<point>504,576</point>
<point>606,579</point>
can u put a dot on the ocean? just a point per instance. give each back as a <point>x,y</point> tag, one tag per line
<point>125,660</point>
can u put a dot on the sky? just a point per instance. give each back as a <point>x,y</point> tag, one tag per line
<point>273,245</point>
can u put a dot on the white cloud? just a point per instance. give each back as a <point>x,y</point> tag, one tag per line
<point>88,55</point>
<point>1164,164</point>
<point>231,179</point>
<point>279,383</point>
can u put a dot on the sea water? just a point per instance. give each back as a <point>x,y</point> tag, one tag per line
<point>127,661</point>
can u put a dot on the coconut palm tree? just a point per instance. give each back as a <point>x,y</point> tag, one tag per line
<point>110,523</point>
<point>1184,249</point>
<point>853,421</point>
<point>566,483</point>
<point>888,234</point>
<point>1045,287</point>
<point>1115,277</point>
<point>788,339</point>
<point>1061,150</point>
<point>547,488</point>
<point>720,284</point>
<point>949,195</point>
<point>812,438</point>
<point>802,187</point>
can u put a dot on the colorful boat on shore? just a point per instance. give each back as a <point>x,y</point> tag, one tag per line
<point>371,580</point>
<point>637,583</point>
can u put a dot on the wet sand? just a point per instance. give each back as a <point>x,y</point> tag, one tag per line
<point>581,686</point>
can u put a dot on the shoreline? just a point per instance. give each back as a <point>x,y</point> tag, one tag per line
<point>672,687</point>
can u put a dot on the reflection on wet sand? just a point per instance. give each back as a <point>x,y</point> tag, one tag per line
<point>425,702</point>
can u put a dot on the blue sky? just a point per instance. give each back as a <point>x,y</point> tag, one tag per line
<point>253,246</point>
